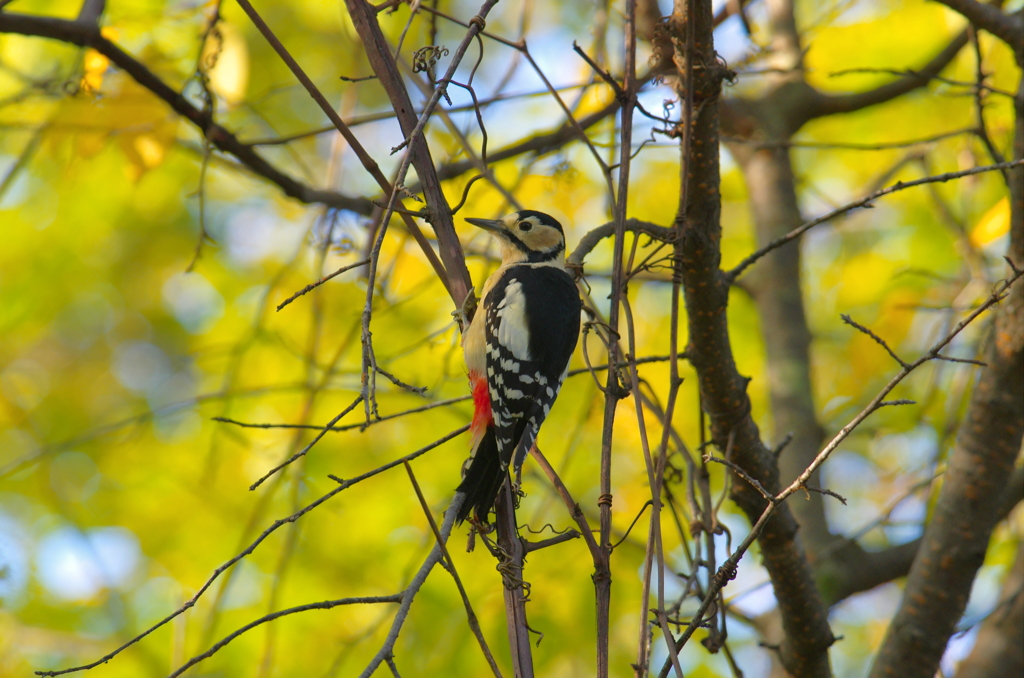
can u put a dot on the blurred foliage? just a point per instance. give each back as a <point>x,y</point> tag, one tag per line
<point>120,495</point>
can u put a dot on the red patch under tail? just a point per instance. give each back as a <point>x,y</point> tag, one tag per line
<point>482,416</point>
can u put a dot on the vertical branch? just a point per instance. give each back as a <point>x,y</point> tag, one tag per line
<point>613,390</point>
<point>471,618</point>
<point>511,554</point>
<point>643,660</point>
<point>378,52</point>
<point>367,161</point>
<point>654,556</point>
<point>418,154</point>
<point>722,388</point>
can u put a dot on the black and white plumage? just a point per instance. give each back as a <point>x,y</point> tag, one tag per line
<point>517,350</point>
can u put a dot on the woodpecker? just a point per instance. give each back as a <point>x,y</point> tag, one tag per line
<point>517,350</point>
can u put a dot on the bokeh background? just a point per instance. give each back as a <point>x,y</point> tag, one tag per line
<point>119,344</point>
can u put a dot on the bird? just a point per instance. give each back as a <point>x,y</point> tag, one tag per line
<point>517,351</point>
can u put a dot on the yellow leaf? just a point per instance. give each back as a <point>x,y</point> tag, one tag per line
<point>94,67</point>
<point>995,223</point>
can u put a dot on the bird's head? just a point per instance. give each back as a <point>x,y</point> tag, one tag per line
<point>526,236</point>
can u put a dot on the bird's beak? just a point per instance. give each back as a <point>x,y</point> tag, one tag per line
<point>492,225</point>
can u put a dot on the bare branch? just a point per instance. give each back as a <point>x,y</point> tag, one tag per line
<point>324,605</point>
<point>574,508</point>
<point>728,569</point>
<point>511,554</point>
<point>850,321</point>
<point>830,104</point>
<point>723,389</point>
<point>1007,27</point>
<point>474,625</point>
<point>342,485</point>
<point>880,146</point>
<point>435,556</point>
<point>879,399</point>
<point>91,12</point>
<point>863,202</point>
<point>365,159</point>
<point>347,427</point>
<point>301,453</point>
<point>76,33</point>
<point>568,535</point>
<point>312,286</point>
<point>589,241</point>
<point>379,54</point>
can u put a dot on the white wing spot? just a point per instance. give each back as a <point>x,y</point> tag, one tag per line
<point>525,378</point>
<point>514,393</point>
<point>551,393</point>
<point>512,323</point>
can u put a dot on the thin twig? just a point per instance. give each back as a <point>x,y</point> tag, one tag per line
<point>387,649</point>
<point>850,146</point>
<point>568,535</point>
<point>342,485</point>
<point>312,286</point>
<point>301,453</point>
<point>563,492</point>
<point>367,161</point>
<point>742,474</point>
<point>728,570</point>
<point>881,342</point>
<point>474,625</point>
<point>324,605</point>
<point>346,427</point>
<point>75,33</point>
<point>863,202</point>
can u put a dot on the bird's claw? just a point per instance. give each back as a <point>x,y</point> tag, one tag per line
<point>464,313</point>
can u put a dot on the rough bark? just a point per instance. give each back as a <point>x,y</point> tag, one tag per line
<point>998,652</point>
<point>805,649</point>
<point>955,541</point>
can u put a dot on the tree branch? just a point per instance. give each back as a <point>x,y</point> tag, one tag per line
<point>847,569</point>
<point>76,33</point>
<point>863,202</point>
<point>998,651</point>
<point>821,104</point>
<point>989,440</point>
<point>589,241</point>
<point>378,51</point>
<point>342,486</point>
<point>723,389</point>
<point>1007,27</point>
<point>435,556</point>
<point>324,605</point>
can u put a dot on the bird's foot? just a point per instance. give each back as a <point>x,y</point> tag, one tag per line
<point>464,313</point>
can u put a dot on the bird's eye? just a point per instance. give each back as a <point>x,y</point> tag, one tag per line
<point>525,226</point>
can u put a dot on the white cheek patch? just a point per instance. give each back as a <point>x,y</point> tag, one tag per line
<point>512,323</point>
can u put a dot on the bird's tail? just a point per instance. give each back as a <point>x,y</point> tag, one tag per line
<point>483,478</point>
